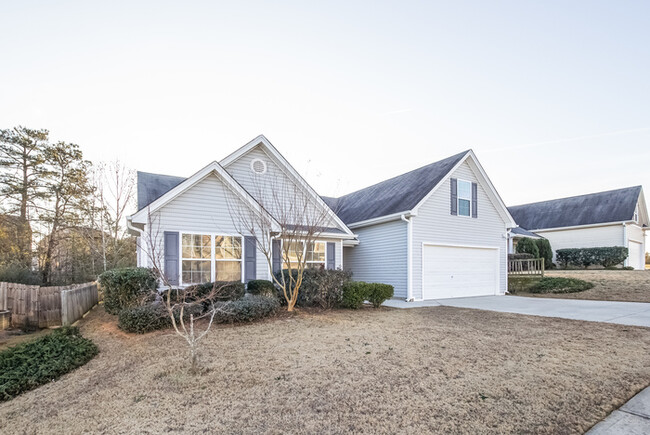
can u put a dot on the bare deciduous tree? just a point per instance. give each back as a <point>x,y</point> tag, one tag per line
<point>184,306</point>
<point>291,216</point>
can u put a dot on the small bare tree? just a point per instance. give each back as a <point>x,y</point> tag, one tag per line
<point>290,216</point>
<point>184,306</point>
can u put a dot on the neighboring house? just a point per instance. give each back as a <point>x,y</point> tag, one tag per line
<point>439,231</point>
<point>613,218</point>
<point>516,234</point>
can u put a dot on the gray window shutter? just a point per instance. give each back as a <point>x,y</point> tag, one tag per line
<point>277,256</point>
<point>250,258</point>
<point>474,200</point>
<point>331,255</point>
<point>171,257</point>
<point>454,196</point>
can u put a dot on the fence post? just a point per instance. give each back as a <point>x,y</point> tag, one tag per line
<point>64,308</point>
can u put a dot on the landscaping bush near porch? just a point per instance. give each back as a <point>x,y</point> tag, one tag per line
<point>356,292</point>
<point>585,257</point>
<point>28,365</point>
<point>127,287</point>
<point>320,287</point>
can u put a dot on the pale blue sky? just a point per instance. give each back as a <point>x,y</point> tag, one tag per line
<point>554,97</point>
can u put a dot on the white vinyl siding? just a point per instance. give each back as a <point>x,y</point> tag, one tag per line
<point>435,224</point>
<point>380,255</point>
<point>592,237</point>
<point>272,182</point>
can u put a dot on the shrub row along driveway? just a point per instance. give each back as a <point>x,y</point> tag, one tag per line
<point>609,285</point>
<point>439,370</point>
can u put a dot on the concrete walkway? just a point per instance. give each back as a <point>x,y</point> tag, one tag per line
<point>630,419</point>
<point>624,313</point>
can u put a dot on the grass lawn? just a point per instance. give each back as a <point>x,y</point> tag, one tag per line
<point>609,285</point>
<point>436,370</point>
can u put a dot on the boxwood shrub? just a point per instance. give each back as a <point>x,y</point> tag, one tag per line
<point>527,245</point>
<point>354,294</point>
<point>378,293</point>
<point>559,285</point>
<point>247,309</point>
<point>28,365</point>
<point>145,318</point>
<point>260,287</point>
<point>127,287</point>
<point>585,257</point>
<point>320,287</point>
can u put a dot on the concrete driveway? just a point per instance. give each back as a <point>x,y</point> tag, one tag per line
<point>624,313</point>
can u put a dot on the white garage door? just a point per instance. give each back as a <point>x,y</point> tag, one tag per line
<point>452,272</point>
<point>635,257</point>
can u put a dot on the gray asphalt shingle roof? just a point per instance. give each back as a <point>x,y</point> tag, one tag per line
<point>397,194</point>
<point>525,233</point>
<point>595,208</point>
<point>153,186</point>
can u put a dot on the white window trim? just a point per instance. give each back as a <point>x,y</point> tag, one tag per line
<point>636,214</point>
<point>304,253</point>
<point>213,260</point>
<point>458,198</point>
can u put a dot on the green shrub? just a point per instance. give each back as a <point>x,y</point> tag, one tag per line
<point>247,309</point>
<point>260,287</point>
<point>354,293</point>
<point>559,285</point>
<point>585,257</point>
<point>19,274</point>
<point>545,252</point>
<point>378,293</point>
<point>320,287</point>
<point>520,256</point>
<point>127,287</point>
<point>145,318</point>
<point>28,365</point>
<point>527,245</point>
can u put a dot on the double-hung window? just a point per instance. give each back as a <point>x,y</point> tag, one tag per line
<point>464,198</point>
<point>313,255</point>
<point>210,257</point>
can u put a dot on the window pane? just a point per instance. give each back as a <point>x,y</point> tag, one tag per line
<point>463,207</point>
<point>228,270</point>
<point>464,189</point>
<point>195,271</point>
<point>227,247</point>
<point>316,252</point>
<point>196,246</point>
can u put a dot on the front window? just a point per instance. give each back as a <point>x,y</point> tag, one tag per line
<point>636,214</point>
<point>207,257</point>
<point>314,255</point>
<point>464,198</point>
<point>227,257</point>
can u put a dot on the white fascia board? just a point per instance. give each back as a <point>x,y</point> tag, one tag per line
<point>503,210</point>
<point>578,227</point>
<point>214,167</point>
<point>284,163</point>
<point>382,219</point>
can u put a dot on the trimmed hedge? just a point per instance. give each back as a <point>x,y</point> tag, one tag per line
<point>145,318</point>
<point>28,365</point>
<point>127,287</point>
<point>260,287</point>
<point>320,287</point>
<point>520,256</point>
<point>559,285</point>
<point>356,292</point>
<point>585,257</point>
<point>527,246</point>
<point>247,309</point>
<point>545,252</point>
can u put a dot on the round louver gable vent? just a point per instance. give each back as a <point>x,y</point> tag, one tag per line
<point>258,166</point>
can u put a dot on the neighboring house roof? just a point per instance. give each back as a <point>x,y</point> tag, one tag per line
<point>153,186</point>
<point>520,232</point>
<point>595,208</point>
<point>397,194</point>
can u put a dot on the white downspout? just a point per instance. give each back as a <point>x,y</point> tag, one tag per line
<point>627,245</point>
<point>130,226</point>
<point>409,257</point>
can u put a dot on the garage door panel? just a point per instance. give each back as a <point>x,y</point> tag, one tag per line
<point>635,257</point>
<point>450,271</point>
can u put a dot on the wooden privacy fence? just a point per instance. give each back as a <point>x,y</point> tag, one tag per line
<point>533,266</point>
<point>42,307</point>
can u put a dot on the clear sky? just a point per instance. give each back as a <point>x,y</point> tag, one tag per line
<point>554,97</point>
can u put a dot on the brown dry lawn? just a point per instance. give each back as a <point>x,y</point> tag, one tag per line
<point>609,285</point>
<point>436,370</point>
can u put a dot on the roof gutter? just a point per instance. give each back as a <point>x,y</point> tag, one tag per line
<point>382,219</point>
<point>603,224</point>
